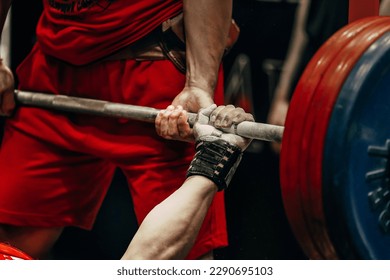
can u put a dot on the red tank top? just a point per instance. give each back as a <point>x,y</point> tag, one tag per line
<point>82,31</point>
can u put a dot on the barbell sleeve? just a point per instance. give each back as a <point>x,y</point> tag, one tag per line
<point>254,130</point>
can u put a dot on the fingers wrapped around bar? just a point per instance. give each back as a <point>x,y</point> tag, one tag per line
<point>172,124</point>
<point>218,153</point>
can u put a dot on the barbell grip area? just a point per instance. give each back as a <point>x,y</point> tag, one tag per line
<point>254,130</point>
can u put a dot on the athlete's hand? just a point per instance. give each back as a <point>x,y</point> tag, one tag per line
<point>7,101</point>
<point>211,119</point>
<point>172,124</point>
<point>193,98</point>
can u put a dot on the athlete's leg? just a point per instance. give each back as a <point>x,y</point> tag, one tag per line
<point>46,183</point>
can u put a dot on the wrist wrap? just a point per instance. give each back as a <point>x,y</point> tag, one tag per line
<point>216,160</point>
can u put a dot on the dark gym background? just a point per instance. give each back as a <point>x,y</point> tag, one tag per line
<point>257,225</point>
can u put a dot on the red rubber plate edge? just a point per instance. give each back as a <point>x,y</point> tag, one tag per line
<point>294,127</point>
<point>313,138</point>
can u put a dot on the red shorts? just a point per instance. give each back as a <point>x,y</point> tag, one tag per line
<point>55,168</point>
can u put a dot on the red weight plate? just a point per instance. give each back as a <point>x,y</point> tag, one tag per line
<point>294,126</point>
<point>7,252</point>
<point>315,129</point>
<point>312,198</point>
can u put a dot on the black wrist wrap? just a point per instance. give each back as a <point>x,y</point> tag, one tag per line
<point>216,160</point>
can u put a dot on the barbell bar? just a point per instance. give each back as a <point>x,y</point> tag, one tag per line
<point>254,130</point>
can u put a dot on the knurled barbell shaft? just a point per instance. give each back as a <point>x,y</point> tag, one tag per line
<point>254,130</point>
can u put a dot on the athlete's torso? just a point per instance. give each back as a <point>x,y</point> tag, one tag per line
<point>82,31</point>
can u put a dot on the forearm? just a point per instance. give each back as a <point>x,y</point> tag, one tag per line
<point>207,24</point>
<point>170,229</point>
<point>4,7</point>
